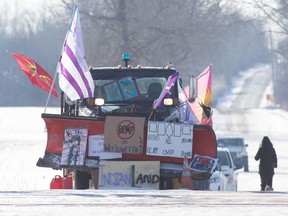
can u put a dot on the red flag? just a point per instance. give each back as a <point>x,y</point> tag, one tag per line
<point>201,107</point>
<point>35,73</point>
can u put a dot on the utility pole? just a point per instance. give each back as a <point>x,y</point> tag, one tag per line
<point>274,66</point>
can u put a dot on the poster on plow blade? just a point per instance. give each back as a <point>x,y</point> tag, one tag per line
<point>124,134</point>
<point>169,139</point>
<point>74,146</point>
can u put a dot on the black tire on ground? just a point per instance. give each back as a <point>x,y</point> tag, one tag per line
<point>81,179</point>
<point>245,164</point>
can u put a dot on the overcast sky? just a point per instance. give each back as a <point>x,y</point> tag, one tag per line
<point>15,14</point>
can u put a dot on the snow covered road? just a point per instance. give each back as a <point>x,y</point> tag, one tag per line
<point>141,202</point>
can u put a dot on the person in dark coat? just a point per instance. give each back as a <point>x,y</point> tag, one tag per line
<point>268,161</point>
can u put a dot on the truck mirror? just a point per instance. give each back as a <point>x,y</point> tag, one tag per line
<point>225,168</point>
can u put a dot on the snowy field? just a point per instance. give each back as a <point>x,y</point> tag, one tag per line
<point>24,187</point>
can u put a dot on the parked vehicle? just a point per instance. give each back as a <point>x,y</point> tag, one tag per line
<point>123,102</point>
<point>237,148</point>
<point>228,168</point>
<point>218,181</point>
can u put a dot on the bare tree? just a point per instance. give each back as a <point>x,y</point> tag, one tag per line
<point>276,14</point>
<point>189,34</point>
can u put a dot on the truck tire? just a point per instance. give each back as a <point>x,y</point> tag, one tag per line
<point>245,164</point>
<point>81,180</point>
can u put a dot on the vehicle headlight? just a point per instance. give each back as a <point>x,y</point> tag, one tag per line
<point>99,101</point>
<point>168,101</point>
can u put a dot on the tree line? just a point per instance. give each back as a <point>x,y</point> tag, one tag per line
<point>187,34</point>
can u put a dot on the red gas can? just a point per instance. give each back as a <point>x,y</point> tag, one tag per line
<point>68,181</point>
<point>56,183</point>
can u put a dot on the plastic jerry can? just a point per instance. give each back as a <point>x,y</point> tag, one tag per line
<point>68,181</point>
<point>56,183</point>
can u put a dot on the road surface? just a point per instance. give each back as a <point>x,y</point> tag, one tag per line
<point>123,203</point>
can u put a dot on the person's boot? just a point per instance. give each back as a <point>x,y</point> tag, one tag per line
<point>268,188</point>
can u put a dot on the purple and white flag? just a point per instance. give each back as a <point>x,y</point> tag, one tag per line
<point>75,27</point>
<point>167,90</point>
<point>75,79</point>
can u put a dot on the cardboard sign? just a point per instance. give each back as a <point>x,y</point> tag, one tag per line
<point>146,174</point>
<point>124,134</point>
<point>96,148</point>
<point>74,146</point>
<point>169,139</point>
<point>203,164</point>
<point>123,174</point>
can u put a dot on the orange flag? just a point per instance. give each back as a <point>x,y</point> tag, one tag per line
<point>35,73</point>
<point>201,107</point>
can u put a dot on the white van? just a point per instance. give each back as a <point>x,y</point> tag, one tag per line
<point>228,168</point>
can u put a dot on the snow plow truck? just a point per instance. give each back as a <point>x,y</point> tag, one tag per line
<point>132,133</point>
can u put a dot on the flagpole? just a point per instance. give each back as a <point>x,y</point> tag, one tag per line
<point>51,88</point>
<point>57,67</point>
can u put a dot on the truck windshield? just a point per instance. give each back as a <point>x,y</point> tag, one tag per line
<point>130,85</point>
<point>224,158</point>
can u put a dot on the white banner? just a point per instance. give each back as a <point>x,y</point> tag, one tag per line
<point>96,148</point>
<point>169,139</point>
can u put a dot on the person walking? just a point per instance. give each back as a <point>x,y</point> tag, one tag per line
<point>268,161</point>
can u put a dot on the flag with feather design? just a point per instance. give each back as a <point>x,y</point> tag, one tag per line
<point>37,75</point>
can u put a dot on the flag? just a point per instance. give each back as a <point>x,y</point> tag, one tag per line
<point>75,27</point>
<point>185,112</point>
<point>75,78</point>
<point>201,107</point>
<point>35,73</point>
<point>167,90</point>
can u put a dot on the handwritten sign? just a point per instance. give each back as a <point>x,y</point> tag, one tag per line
<point>96,148</point>
<point>169,139</point>
<point>125,174</point>
<point>124,134</point>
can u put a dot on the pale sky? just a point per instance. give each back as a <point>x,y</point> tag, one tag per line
<point>23,16</point>
<point>16,14</point>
